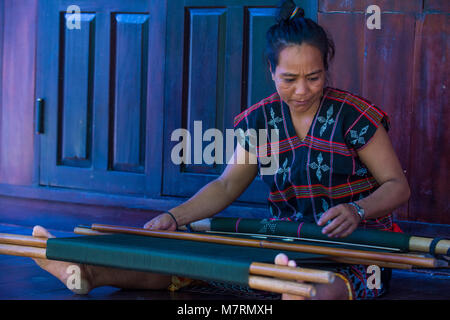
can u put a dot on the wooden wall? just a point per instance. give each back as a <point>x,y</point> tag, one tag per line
<point>402,68</point>
<point>17,97</point>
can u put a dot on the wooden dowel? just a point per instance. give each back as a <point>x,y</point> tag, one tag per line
<point>255,282</point>
<point>382,264</point>
<point>23,251</point>
<point>291,273</point>
<point>423,244</point>
<point>419,244</point>
<point>87,231</point>
<point>331,251</point>
<point>17,239</point>
<point>281,286</point>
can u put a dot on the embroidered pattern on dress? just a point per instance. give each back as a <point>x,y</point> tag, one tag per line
<point>361,172</point>
<point>274,120</point>
<point>358,137</point>
<point>327,121</point>
<point>319,166</point>
<point>284,169</point>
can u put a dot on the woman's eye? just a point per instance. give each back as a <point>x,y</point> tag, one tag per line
<point>313,79</point>
<point>289,80</point>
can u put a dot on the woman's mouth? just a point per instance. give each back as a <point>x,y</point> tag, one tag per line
<point>301,103</point>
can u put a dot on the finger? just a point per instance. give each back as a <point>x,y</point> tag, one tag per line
<point>328,215</point>
<point>340,229</point>
<point>152,224</point>
<point>336,222</point>
<point>346,232</point>
<point>148,225</point>
<point>281,259</point>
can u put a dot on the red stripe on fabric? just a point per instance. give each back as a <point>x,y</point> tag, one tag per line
<point>280,141</point>
<point>298,230</point>
<point>326,141</point>
<point>342,154</point>
<point>324,191</point>
<point>237,225</point>
<point>348,102</point>
<point>366,102</point>
<point>256,106</point>
<point>322,187</point>
<point>353,124</point>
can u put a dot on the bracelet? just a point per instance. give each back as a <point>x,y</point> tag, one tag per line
<point>173,217</point>
<point>360,211</point>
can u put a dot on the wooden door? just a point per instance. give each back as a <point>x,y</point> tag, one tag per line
<point>215,69</point>
<point>100,75</point>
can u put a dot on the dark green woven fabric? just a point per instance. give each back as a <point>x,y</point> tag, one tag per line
<point>310,231</point>
<point>198,260</point>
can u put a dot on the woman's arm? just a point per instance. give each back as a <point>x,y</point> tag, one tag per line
<point>380,158</point>
<point>215,196</point>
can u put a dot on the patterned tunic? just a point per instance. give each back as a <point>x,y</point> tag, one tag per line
<point>323,169</point>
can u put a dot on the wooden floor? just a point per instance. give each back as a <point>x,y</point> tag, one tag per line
<point>22,279</point>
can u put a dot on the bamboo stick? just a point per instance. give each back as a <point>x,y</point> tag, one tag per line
<point>330,251</point>
<point>255,282</point>
<point>23,251</point>
<point>291,273</point>
<point>17,239</point>
<point>281,286</point>
<point>87,231</point>
<point>423,244</point>
<point>420,244</point>
<point>372,262</point>
<point>42,243</point>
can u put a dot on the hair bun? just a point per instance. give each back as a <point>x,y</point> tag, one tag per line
<point>287,10</point>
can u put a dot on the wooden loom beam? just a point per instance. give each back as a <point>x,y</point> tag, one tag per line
<point>396,258</point>
<point>260,274</point>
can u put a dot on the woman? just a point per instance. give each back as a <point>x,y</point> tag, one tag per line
<point>337,164</point>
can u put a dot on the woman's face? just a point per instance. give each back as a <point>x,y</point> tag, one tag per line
<point>300,78</point>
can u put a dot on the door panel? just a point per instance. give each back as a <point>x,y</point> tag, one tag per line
<point>95,83</point>
<point>215,68</point>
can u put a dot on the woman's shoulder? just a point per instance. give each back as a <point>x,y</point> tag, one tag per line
<point>354,103</point>
<point>255,110</point>
<point>355,107</point>
<point>359,117</point>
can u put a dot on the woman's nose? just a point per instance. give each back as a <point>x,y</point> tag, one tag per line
<point>301,88</point>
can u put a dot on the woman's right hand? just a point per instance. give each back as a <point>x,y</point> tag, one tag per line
<point>161,222</point>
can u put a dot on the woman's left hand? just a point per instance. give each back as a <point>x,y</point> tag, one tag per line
<point>344,220</point>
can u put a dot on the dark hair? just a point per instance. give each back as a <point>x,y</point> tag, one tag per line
<point>293,28</point>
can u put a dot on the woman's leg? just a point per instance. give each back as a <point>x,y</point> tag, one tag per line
<point>96,276</point>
